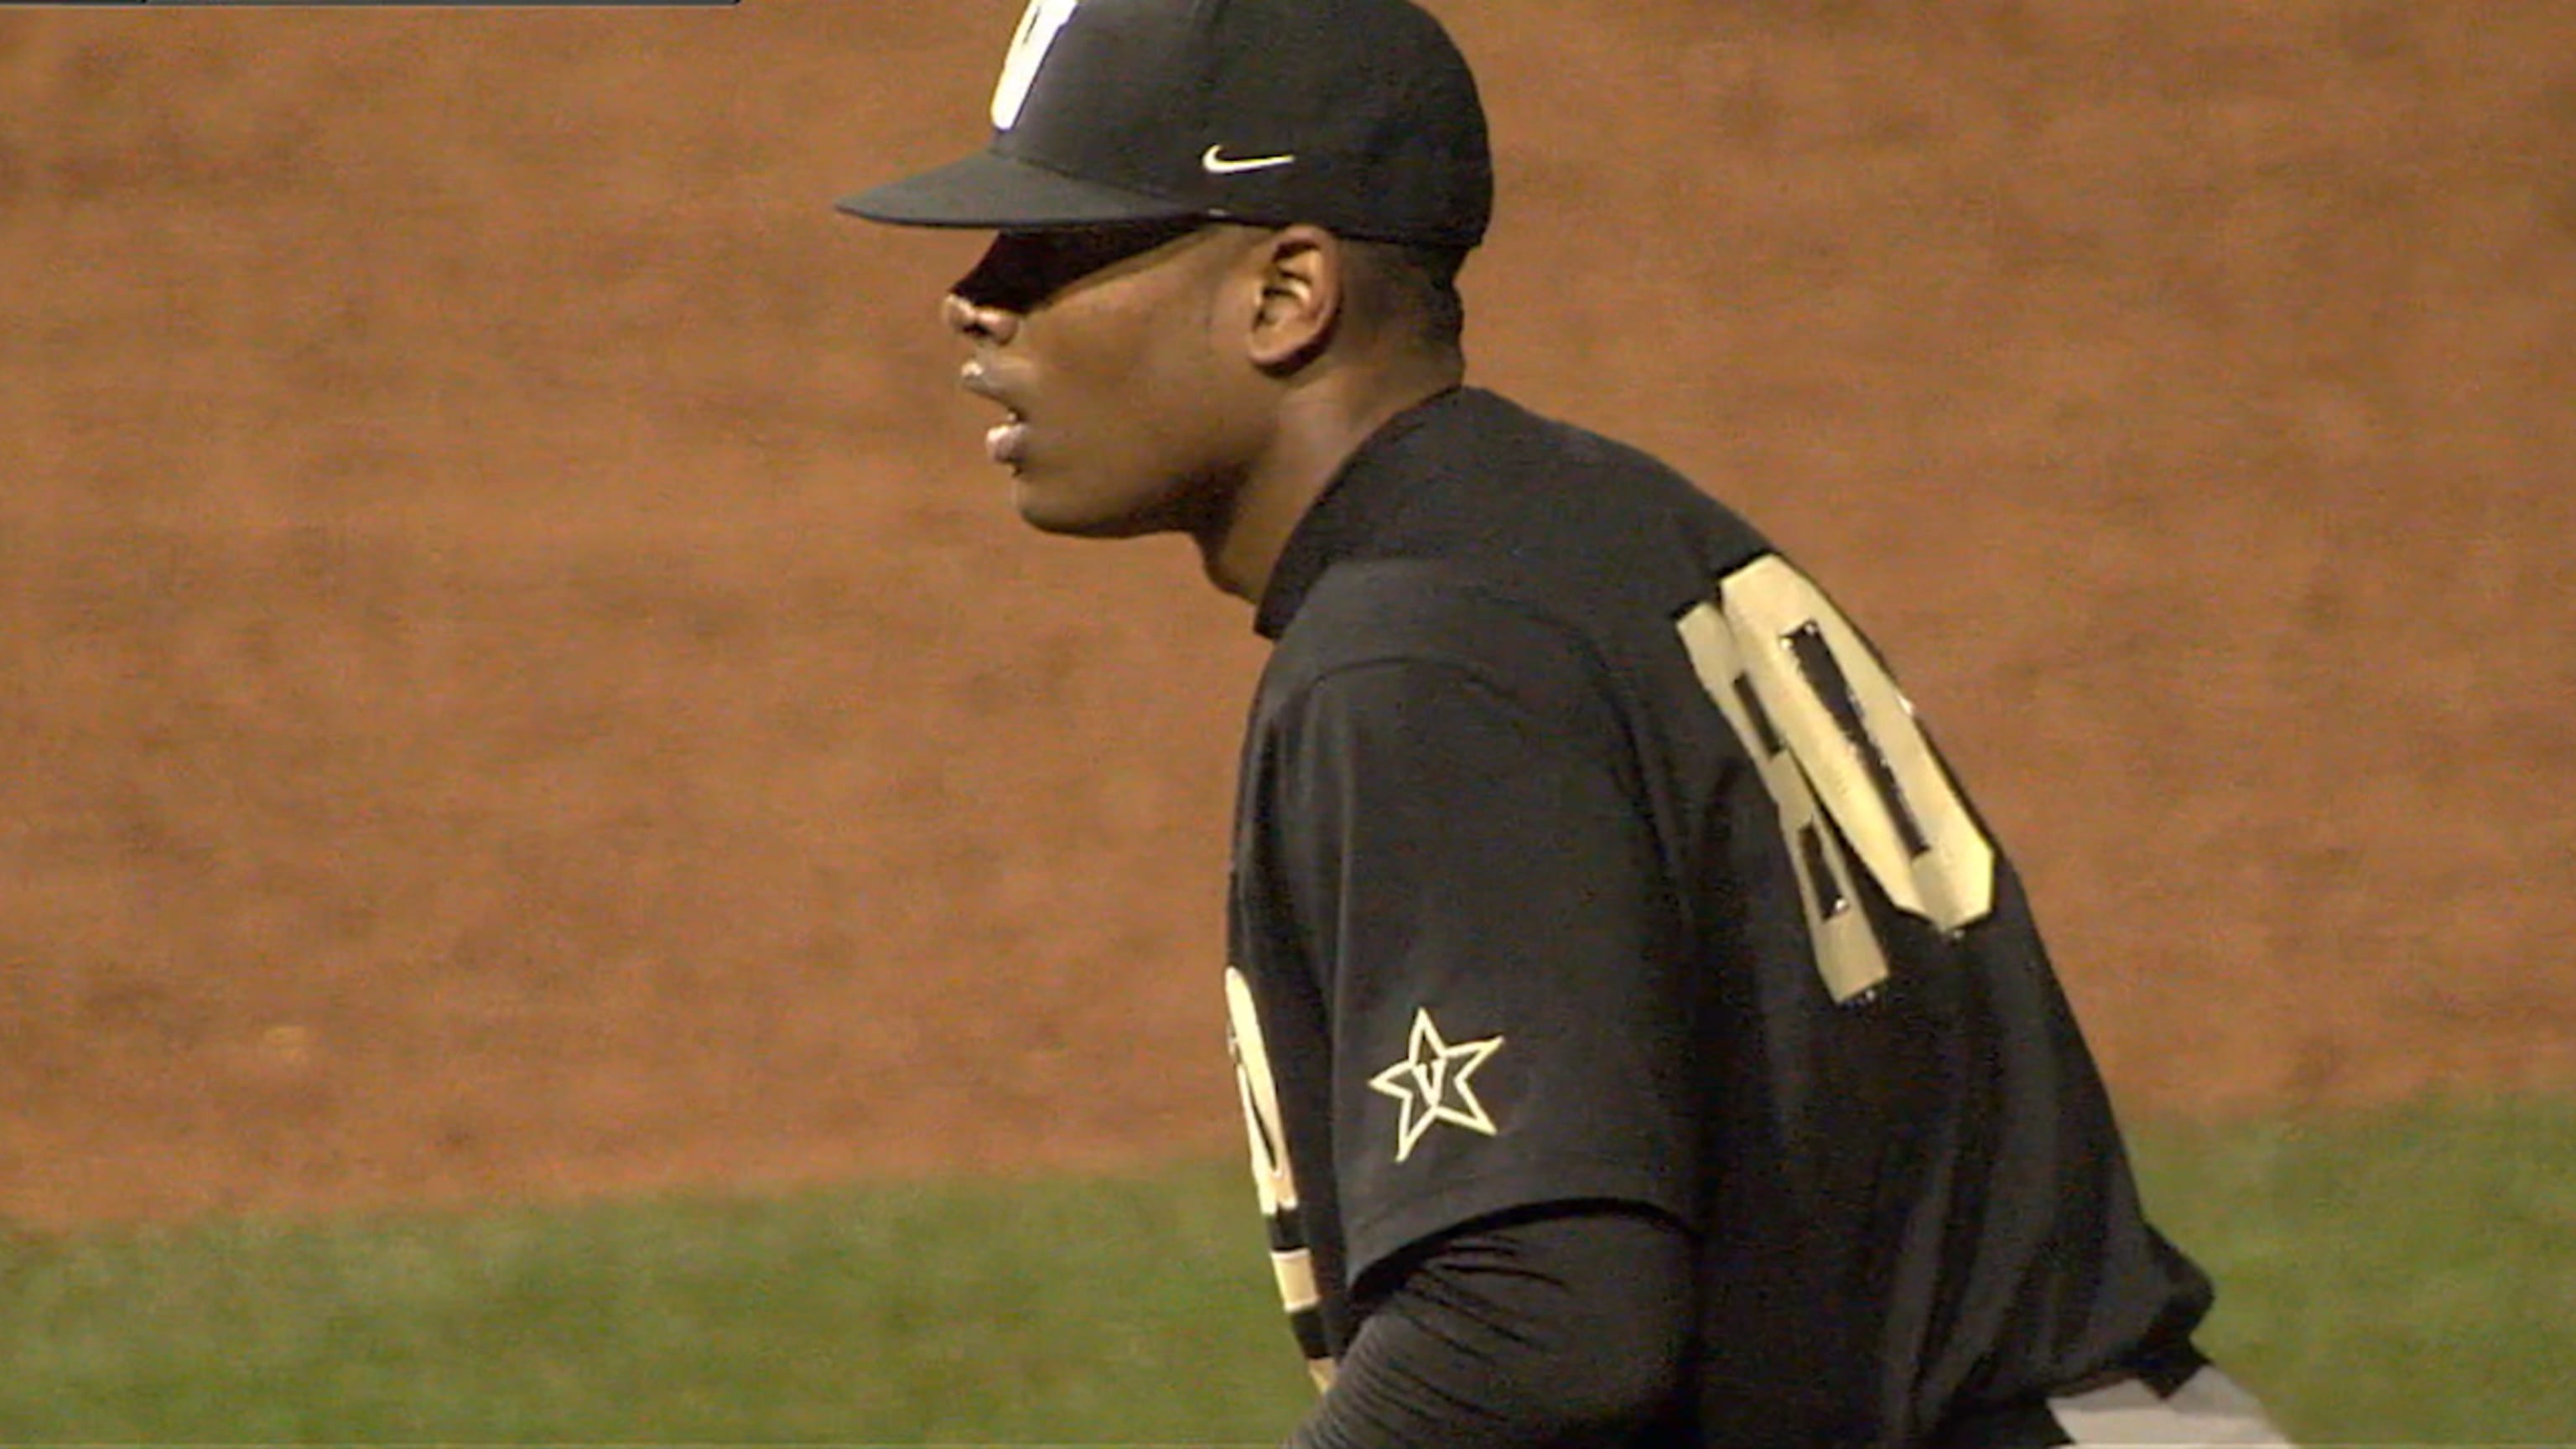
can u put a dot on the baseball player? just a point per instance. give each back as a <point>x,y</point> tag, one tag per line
<point>1642,1039</point>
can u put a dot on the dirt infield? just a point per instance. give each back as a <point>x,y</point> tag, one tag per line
<point>515,680</point>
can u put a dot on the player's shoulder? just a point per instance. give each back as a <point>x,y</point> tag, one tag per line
<point>1528,554</point>
<point>1594,524</point>
<point>1509,439</point>
<point>1429,611</point>
<point>1386,631</point>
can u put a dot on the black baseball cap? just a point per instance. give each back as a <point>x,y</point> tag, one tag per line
<point>1359,116</point>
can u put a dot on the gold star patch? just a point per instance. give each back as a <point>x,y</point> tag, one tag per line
<point>1431,1082</point>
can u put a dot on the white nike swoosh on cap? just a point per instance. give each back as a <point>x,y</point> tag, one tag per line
<point>1218,165</point>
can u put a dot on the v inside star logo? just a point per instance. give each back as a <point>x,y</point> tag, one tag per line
<point>1218,164</point>
<point>1432,1084</point>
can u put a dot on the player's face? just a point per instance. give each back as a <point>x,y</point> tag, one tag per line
<point>1124,414</point>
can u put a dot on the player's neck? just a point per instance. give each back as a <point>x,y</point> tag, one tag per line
<point>1319,427</point>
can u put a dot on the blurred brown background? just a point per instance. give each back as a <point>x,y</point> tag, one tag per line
<point>515,679</point>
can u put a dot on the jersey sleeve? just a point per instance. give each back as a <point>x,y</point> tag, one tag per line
<point>1482,902</point>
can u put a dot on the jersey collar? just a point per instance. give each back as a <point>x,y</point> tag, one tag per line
<point>1374,484</point>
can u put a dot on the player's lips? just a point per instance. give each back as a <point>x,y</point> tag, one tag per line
<point>1006,442</point>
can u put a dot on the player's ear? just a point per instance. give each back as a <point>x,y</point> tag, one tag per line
<point>1300,274</point>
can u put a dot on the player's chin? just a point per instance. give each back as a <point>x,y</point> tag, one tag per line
<point>1061,506</point>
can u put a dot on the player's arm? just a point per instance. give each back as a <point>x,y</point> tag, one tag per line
<point>1566,1326</point>
<point>1485,907</point>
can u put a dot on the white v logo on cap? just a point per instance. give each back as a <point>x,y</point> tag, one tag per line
<point>1218,164</point>
<point>1038,28</point>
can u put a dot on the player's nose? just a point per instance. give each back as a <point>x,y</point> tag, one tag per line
<point>977,324</point>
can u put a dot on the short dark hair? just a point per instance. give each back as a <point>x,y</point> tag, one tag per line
<point>1412,288</point>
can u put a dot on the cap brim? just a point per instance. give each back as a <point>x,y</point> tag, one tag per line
<point>996,193</point>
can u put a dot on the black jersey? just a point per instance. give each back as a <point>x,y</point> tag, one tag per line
<point>1586,852</point>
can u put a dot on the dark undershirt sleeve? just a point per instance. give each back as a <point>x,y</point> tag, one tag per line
<point>1566,1328</point>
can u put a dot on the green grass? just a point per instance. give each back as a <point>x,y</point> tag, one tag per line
<point>2405,1277</point>
<point>2402,1277</point>
<point>1115,1310</point>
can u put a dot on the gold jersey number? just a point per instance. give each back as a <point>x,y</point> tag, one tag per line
<point>1846,764</point>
